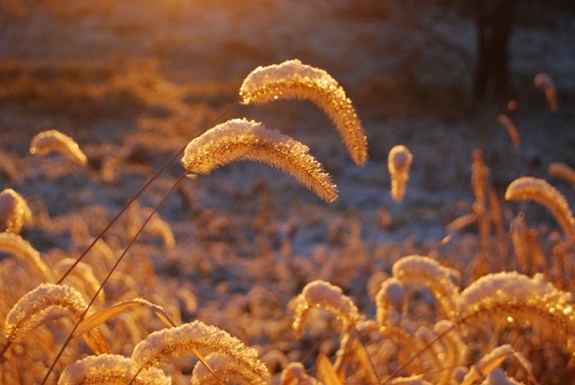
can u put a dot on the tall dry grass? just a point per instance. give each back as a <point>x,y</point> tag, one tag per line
<point>427,320</point>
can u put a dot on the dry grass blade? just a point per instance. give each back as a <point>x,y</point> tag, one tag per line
<point>398,163</point>
<point>294,80</point>
<point>492,360</point>
<point>196,338</point>
<point>240,139</point>
<point>326,372</point>
<point>103,315</point>
<point>110,369</point>
<point>562,171</point>
<point>14,211</point>
<point>18,247</point>
<point>538,190</point>
<point>54,141</point>
<point>327,296</point>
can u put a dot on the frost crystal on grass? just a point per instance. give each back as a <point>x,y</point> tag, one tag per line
<point>240,139</point>
<point>294,80</point>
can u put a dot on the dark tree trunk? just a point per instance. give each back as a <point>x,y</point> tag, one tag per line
<point>494,20</point>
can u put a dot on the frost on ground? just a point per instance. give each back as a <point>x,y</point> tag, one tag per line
<point>133,81</point>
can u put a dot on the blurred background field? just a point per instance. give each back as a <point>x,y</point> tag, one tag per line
<point>133,81</point>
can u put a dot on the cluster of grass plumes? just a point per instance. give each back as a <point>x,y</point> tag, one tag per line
<point>84,315</point>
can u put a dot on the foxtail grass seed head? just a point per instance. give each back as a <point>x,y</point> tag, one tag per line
<point>16,246</point>
<point>509,287</point>
<point>327,296</point>
<point>511,128</point>
<point>391,295</point>
<point>510,298</point>
<point>228,371</point>
<point>562,171</point>
<point>294,80</point>
<point>544,82</point>
<point>398,163</point>
<point>54,141</point>
<point>195,338</point>
<point>295,374</point>
<point>14,212</point>
<point>240,139</point>
<point>538,190</point>
<point>110,369</point>
<point>45,303</point>
<point>424,270</point>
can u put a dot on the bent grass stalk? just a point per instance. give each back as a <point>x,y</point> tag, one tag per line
<point>138,193</point>
<point>120,258</point>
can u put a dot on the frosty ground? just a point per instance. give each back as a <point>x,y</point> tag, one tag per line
<point>134,81</point>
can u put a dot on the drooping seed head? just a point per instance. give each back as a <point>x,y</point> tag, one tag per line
<point>240,139</point>
<point>538,190</point>
<point>54,141</point>
<point>294,80</point>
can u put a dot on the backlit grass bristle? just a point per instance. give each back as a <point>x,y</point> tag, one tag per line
<point>240,139</point>
<point>54,141</point>
<point>294,80</point>
<point>538,190</point>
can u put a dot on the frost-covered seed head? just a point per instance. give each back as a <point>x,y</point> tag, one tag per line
<point>294,80</point>
<point>240,139</point>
